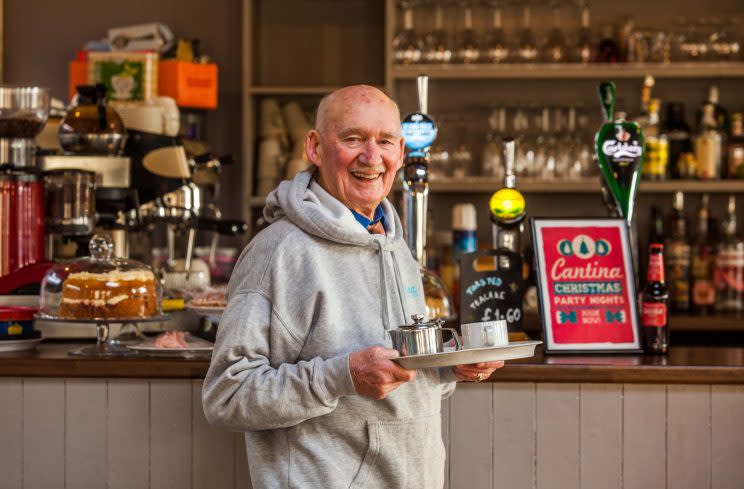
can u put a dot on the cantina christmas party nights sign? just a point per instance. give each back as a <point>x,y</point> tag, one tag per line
<point>586,285</point>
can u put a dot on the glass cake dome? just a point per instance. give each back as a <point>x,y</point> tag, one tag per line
<point>100,288</point>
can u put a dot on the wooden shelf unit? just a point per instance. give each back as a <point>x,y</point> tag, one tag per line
<point>570,70</point>
<point>278,38</point>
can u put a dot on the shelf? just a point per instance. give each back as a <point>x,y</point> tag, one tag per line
<point>289,90</point>
<point>585,185</point>
<point>487,185</point>
<point>716,322</point>
<point>572,70</point>
<point>256,201</point>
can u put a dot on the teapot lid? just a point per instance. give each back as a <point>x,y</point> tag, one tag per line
<point>418,322</point>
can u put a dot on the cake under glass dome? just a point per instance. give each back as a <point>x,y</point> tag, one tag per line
<point>100,288</point>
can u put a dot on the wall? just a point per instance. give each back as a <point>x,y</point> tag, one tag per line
<point>41,37</point>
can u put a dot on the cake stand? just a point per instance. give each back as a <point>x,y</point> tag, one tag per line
<point>105,346</point>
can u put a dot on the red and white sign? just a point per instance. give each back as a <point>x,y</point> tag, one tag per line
<point>587,285</point>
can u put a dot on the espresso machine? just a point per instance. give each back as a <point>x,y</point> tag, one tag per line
<point>188,208</point>
<point>23,113</point>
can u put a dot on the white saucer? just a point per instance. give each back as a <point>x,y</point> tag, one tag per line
<point>196,347</point>
<point>19,345</point>
<point>517,349</point>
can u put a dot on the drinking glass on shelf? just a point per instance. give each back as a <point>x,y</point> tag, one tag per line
<point>525,164</point>
<point>437,47</point>
<point>439,161</point>
<point>493,165</point>
<point>462,159</point>
<point>496,48</point>
<point>527,49</point>
<point>693,43</point>
<point>467,48</point>
<point>723,44</point>
<point>407,45</point>
<point>554,49</point>
<point>544,147</point>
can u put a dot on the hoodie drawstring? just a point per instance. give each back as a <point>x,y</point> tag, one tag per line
<point>383,290</point>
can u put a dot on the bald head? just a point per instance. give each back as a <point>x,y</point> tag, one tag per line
<point>332,104</point>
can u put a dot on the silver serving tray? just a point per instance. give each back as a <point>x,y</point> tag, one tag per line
<point>512,351</point>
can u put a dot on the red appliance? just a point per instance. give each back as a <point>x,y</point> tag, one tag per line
<point>21,225</point>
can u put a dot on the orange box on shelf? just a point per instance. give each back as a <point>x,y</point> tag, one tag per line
<point>190,84</point>
<point>78,75</point>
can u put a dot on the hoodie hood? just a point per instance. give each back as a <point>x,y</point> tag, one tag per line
<point>304,202</point>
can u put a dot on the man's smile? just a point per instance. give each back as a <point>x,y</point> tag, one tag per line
<point>366,175</point>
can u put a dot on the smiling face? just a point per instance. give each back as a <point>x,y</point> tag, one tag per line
<point>357,147</point>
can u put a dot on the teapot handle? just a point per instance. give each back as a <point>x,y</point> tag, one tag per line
<point>454,335</point>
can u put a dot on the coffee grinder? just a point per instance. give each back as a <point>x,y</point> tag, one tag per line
<point>23,113</point>
<point>87,184</point>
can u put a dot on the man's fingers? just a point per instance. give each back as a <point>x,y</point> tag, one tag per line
<point>402,374</point>
<point>380,353</point>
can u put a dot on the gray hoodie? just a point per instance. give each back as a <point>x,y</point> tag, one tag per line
<point>308,290</point>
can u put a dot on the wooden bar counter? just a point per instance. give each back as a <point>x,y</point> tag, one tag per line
<point>683,365</point>
<point>584,422</point>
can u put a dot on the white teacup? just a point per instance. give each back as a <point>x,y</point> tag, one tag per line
<point>485,334</point>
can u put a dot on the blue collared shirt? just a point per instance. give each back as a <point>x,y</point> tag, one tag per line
<point>367,222</point>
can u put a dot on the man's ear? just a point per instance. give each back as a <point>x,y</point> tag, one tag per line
<point>402,153</point>
<point>312,147</point>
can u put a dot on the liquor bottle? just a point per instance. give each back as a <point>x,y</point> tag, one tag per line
<point>464,240</point>
<point>554,49</point>
<point>407,46</point>
<point>678,135</point>
<point>657,145</point>
<point>468,49</point>
<point>735,150</point>
<point>709,146</point>
<point>583,51</point>
<point>678,258</point>
<point>527,49</point>
<point>437,48</point>
<point>729,274</point>
<point>497,49</point>
<point>720,115</point>
<point>655,304</point>
<point>703,259</point>
<point>608,50</point>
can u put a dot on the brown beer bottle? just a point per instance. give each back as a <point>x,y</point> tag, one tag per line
<point>655,304</point>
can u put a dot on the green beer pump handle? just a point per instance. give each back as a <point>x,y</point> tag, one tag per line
<point>607,100</point>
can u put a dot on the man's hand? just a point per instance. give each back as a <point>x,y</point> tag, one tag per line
<point>374,374</point>
<point>475,372</point>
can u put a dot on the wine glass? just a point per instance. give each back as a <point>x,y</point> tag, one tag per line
<point>407,45</point>
<point>496,49</point>
<point>437,48</point>
<point>468,49</point>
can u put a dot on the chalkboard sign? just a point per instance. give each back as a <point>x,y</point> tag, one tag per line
<point>492,294</point>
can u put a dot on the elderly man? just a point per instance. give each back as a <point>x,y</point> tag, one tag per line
<point>302,362</point>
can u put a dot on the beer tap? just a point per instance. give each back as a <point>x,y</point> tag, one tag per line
<point>507,205</point>
<point>419,132</point>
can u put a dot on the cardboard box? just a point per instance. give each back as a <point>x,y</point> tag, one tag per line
<point>192,85</point>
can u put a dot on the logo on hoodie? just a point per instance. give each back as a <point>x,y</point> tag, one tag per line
<point>412,291</point>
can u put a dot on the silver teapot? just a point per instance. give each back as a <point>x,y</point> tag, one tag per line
<point>421,338</point>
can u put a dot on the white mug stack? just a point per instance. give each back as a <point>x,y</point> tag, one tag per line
<point>485,334</point>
